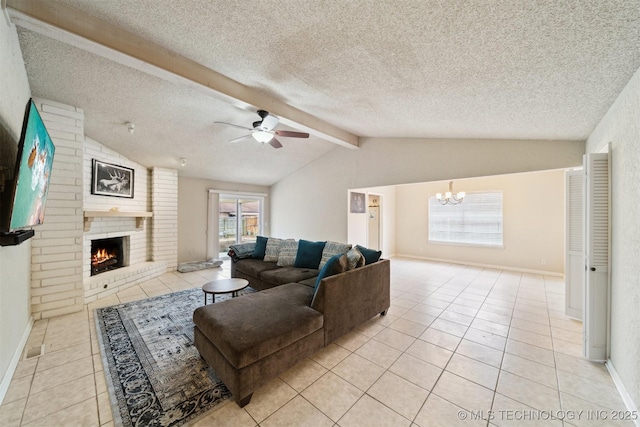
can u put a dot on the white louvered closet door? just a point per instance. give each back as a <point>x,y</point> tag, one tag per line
<point>596,301</point>
<point>574,244</point>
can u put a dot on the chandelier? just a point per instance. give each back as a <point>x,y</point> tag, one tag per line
<point>450,198</point>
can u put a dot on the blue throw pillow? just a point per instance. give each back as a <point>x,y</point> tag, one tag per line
<point>370,256</point>
<point>261,246</point>
<point>331,267</point>
<point>328,269</point>
<point>309,254</point>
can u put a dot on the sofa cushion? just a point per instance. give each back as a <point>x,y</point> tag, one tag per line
<point>261,246</point>
<point>309,282</point>
<point>272,249</point>
<point>287,275</point>
<point>253,267</point>
<point>287,253</point>
<point>331,249</point>
<point>284,317</point>
<point>309,254</point>
<point>370,255</point>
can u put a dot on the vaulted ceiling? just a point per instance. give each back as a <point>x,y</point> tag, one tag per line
<point>341,70</point>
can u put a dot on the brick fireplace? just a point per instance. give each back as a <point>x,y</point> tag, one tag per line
<point>109,254</point>
<point>61,279</point>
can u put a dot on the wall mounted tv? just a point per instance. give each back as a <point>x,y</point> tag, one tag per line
<point>25,197</point>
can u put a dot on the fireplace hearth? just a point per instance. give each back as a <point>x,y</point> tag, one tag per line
<point>107,254</point>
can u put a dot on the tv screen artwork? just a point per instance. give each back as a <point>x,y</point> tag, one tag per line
<point>32,173</point>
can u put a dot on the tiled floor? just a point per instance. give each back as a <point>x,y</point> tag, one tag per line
<point>456,339</point>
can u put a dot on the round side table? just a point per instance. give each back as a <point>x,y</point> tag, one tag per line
<point>223,286</point>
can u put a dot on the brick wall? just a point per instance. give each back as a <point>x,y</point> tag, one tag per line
<point>104,227</point>
<point>164,184</point>
<point>61,280</point>
<point>56,248</point>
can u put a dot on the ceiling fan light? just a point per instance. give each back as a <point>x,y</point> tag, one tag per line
<point>262,136</point>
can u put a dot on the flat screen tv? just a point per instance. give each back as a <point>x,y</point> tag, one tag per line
<point>27,193</point>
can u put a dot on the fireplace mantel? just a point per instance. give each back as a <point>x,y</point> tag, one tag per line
<point>139,216</point>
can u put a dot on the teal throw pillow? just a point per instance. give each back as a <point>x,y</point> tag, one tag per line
<point>370,256</point>
<point>309,254</point>
<point>336,264</point>
<point>261,246</point>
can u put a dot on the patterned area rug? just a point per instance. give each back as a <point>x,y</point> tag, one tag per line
<point>154,373</point>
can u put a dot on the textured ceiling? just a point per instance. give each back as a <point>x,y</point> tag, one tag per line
<point>426,69</point>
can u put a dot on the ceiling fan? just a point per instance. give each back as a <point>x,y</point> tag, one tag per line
<point>263,130</point>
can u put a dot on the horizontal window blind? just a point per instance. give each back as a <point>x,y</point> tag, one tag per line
<point>475,221</point>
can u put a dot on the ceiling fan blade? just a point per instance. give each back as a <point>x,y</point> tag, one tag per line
<point>275,143</point>
<point>269,122</point>
<point>291,134</point>
<point>241,138</point>
<point>231,124</point>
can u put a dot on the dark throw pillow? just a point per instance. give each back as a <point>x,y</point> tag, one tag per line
<point>336,264</point>
<point>370,256</point>
<point>261,246</point>
<point>309,254</point>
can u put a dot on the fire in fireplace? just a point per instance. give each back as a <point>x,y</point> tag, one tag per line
<point>107,254</point>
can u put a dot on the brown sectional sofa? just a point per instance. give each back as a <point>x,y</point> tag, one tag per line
<point>253,338</point>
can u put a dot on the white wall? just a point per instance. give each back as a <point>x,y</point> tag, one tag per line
<point>193,197</point>
<point>311,202</point>
<point>533,222</point>
<point>15,261</point>
<point>621,127</point>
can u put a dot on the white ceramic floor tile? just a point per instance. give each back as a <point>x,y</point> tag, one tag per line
<point>471,369</point>
<point>528,392</point>
<point>332,395</point>
<point>297,412</point>
<point>416,370</point>
<point>370,412</point>
<point>507,412</point>
<point>464,393</point>
<point>480,352</point>
<point>486,338</point>
<point>303,374</point>
<point>379,353</point>
<point>269,398</point>
<point>397,393</point>
<point>442,339</point>
<point>430,353</point>
<point>449,327</point>
<point>358,371</point>
<point>438,412</point>
<point>531,370</point>
<point>531,352</point>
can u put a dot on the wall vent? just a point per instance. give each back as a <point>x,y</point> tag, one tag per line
<point>34,352</point>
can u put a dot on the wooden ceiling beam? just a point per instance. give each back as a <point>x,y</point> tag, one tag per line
<point>69,25</point>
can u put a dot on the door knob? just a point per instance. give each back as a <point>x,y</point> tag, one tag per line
<point>593,269</point>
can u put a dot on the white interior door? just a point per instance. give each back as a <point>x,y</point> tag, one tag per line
<point>574,244</point>
<point>596,302</point>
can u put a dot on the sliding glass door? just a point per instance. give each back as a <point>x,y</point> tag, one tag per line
<point>239,220</point>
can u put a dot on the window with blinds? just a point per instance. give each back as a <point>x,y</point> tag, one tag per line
<point>476,221</point>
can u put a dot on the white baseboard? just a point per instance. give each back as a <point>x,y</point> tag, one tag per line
<point>626,398</point>
<point>11,369</point>
<point>475,264</point>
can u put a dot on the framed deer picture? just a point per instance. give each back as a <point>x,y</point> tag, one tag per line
<point>111,180</point>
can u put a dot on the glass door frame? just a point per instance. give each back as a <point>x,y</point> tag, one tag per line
<point>213,240</point>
